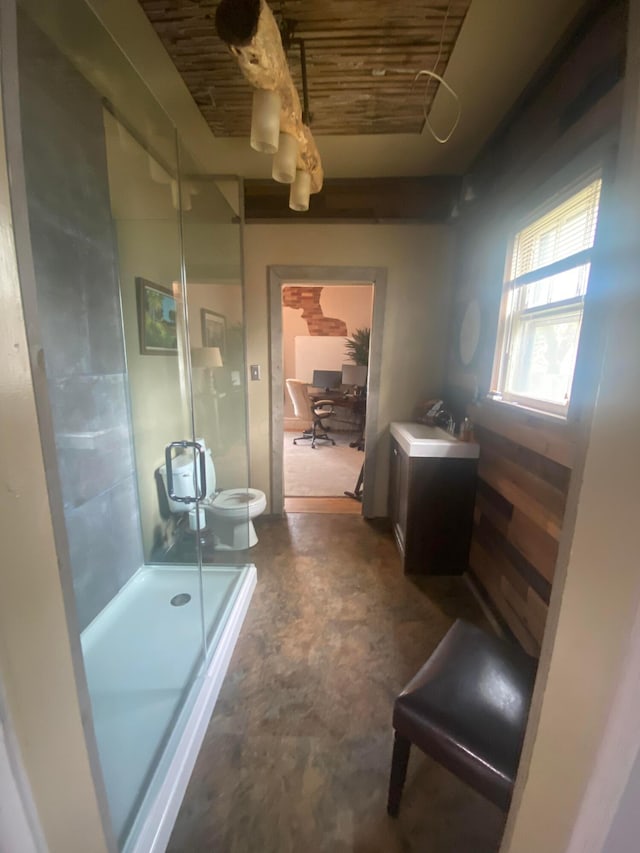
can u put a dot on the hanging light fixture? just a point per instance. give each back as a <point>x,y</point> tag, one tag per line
<point>265,121</point>
<point>300,191</point>
<point>279,126</point>
<point>285,159</point>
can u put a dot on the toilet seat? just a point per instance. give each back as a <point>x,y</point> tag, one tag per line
<point>238,503</point>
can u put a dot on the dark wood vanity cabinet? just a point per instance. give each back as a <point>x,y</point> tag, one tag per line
<point>431,509</point>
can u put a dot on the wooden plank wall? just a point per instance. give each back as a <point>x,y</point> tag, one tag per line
<point>523,481</point>
<point>526,461</point>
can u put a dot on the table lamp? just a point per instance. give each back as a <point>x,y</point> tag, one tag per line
<point>206,358</point>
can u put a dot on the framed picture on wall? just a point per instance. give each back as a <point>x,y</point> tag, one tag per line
<point>214,330</point>
<point>156,319</point>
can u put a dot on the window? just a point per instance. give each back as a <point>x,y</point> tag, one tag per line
<point>547,273</point>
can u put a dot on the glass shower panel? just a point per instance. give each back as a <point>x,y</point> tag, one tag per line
<point>144,201</point>
<point>144,194</point>
<point>102,184</point>
<point>212,238</point>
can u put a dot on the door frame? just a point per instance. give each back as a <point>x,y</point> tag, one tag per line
<point>324,276</point>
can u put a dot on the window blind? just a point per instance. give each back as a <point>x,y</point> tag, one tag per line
<point>547,275</point>
<point>558,234</point>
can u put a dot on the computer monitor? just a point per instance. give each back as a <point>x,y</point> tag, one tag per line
<point>327,379</point>
<point>354,374</point>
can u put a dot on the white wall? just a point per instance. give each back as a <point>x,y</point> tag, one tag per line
<point>625,830</point>
<point>418,260</point>
<point>351,304</point>
<point>17,817</point>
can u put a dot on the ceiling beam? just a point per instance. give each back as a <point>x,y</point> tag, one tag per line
<point>428,199</point>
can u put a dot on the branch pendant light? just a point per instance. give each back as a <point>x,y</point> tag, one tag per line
<point>300,191</point>
<point>265,121</point>
<point>285,159</point>
<point>277,126</point>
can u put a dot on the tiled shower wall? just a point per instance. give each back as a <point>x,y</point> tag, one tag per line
<point>75,264</point>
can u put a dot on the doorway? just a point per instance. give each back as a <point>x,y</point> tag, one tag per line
<point>326,335</point>
<point>320,319</point>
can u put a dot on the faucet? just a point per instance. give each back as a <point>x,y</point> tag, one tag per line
<point>445,420</point>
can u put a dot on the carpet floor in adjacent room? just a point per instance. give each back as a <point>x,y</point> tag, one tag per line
<point>325,471</point>
<point>296,757</point>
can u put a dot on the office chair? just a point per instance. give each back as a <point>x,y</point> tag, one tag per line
<point>306,409</point>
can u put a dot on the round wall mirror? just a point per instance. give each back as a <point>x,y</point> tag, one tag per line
<point>469,332</point>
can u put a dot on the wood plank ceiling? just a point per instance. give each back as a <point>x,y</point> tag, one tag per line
<point>361,58</point>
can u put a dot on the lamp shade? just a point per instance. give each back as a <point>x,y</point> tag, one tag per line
<point>285,160</point>
<point>206,357</point>
<point>300,191</point>
<point>265,121</point>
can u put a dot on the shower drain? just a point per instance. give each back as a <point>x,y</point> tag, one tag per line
<point>181,599</point>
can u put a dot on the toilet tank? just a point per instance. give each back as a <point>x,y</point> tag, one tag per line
<point>183,485</point>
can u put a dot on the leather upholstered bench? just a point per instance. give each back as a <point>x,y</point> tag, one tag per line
<point>467,708</point>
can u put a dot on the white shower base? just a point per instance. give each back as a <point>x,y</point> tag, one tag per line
<point>151,692</point>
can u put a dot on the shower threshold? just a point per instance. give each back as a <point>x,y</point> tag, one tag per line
<point>152,690</point>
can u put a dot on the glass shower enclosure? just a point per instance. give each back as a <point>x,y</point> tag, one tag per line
<point>134,258</point>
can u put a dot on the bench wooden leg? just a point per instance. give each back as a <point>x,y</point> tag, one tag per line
<point>399,764</point>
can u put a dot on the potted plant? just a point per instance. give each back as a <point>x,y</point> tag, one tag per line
<point>357,347</point>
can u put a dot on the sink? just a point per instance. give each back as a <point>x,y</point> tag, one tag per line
<point>431,441</point>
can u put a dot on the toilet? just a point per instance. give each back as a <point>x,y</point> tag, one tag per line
<point>228,514</point>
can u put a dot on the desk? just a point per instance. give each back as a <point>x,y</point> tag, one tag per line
<point>358,405</point>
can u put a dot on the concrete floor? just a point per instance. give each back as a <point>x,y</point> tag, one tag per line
<point>297,754</point>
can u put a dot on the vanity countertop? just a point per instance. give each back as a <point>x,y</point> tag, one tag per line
<point>430,441</point>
